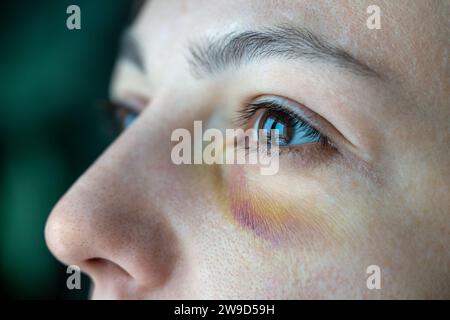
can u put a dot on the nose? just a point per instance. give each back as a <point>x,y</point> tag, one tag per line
<point>109,225</point>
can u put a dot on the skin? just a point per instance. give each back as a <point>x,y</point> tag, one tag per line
<point>142,227</point>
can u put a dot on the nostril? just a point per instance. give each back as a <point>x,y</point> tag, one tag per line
<point>99,267</point>
<point>110,280</point>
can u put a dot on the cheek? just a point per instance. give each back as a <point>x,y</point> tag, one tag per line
<point>275,211</point>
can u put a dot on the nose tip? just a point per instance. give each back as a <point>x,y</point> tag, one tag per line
<point>62,236</point>
<point>120,245</point>
<point>64,239</point>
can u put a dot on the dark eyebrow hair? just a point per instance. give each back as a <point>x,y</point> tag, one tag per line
<point>234,49</point>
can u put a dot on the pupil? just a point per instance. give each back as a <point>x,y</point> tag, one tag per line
<point>281,123</point>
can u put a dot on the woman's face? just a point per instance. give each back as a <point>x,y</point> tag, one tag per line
<point>363,165</point>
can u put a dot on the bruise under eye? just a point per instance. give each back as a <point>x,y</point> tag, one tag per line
<point>275,216</point>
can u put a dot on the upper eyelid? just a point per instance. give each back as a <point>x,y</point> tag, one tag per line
<point>128,83</point>
<point>304,115</point>
<point>256,107</point>
<point>132,102</point>
<point>300,112</point>
<point>297,113</point>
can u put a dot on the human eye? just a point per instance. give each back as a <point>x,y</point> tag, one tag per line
<point>123,112</point>
<point>296,126</point>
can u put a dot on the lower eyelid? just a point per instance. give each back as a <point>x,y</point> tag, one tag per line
<point>309,156</point>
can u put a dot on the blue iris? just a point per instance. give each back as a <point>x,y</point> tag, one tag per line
<point>129,119</point>
<point>292,130</point>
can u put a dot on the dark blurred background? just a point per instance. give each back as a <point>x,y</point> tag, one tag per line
<point>51,128</point>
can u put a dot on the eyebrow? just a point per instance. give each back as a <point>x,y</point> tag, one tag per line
<point>235,49</point>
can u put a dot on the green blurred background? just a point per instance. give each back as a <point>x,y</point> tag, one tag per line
<point>50,127</point>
